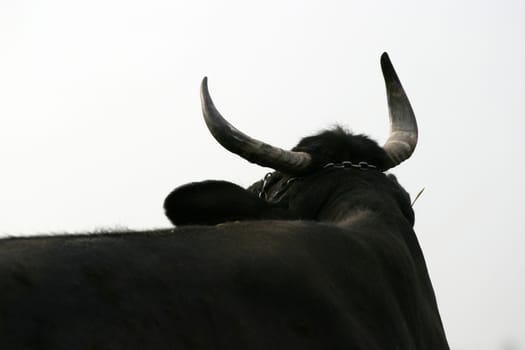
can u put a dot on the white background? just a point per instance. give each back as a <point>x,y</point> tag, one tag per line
<point>100,119</point>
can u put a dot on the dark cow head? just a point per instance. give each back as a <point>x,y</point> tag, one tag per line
<point>330,176</point>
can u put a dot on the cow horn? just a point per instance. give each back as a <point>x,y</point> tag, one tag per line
<point>403,126</point>
<point>248,148</point>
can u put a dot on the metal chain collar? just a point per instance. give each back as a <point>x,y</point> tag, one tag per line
<point>348,164</point>
<point>364,166</point>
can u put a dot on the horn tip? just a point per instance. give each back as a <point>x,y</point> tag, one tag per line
<point>389,72</point>
<point>204,89</point>
<point>205,94</point>
<point>385,61</point>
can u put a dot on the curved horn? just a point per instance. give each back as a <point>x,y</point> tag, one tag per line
<point>248,148</point>
<point>403,126</point>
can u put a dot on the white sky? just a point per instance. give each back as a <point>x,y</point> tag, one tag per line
<point>100,118</point>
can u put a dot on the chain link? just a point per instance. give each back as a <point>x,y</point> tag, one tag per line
<point>262,193</point>
<point>348,164</point>
<point>364,166</point>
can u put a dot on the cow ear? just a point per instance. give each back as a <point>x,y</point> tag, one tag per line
<point>215,202</point>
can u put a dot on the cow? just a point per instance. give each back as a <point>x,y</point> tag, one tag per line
<point>320,254</point>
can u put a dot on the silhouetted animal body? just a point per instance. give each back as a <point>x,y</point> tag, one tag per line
<point>320,254</point>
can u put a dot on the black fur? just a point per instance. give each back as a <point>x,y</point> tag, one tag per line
<point>370,206</point>
<point>213,202</point>
<point>338,145</point>
<point>327,261</point>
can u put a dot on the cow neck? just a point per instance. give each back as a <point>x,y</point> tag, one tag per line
<point>362,166</point>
